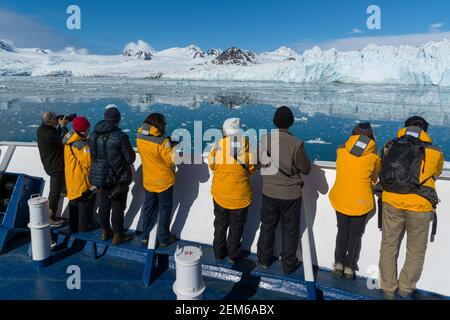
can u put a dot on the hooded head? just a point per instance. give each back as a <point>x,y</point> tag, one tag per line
<point>112,114</point>
<point>417,121</point>
<point>232,127</point>
<point>363,129</point>
<point>283,118</point>
<point>158,121</point>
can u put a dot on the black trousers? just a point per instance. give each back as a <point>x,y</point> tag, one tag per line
<point>112,209</point>
<point>225,219</point>
<point>348,240</point>
<point>274,210</point>
<point>81,214</point>
<point>57,185</point>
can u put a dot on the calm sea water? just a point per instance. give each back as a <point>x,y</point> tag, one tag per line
<point>325,114</point>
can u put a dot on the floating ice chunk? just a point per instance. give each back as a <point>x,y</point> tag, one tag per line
<point>126,130</point>
<point>317,141</point>
<point>302,119</point>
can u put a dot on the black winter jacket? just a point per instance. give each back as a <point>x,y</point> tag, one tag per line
<point>112,156</point>
<point>51,148</point>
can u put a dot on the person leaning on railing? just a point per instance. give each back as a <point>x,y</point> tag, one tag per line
<point>158,169</point>
<point>357,166</point>
<point>77,163</point>
<point>231,162</point>
<point>410,166</point>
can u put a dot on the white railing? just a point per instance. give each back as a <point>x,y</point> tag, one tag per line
<point>193,216</point>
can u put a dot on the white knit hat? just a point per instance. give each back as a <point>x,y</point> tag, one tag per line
<point>232,127</point>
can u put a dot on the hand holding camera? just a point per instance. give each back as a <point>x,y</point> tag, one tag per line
<point>64,120</point>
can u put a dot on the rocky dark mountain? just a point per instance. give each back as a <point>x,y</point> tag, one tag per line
<point>6,46</point>
<point>236,56</point>
<point>139,54</point>
<point>214,52</point>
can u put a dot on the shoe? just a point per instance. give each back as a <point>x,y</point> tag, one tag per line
<point>53,245</point>
<point>220,257</point>
<point>55,223</point>
<point>233,260</point>
<point>92,227</point>
<point>338,271</point>
<point>171,240</point>
<point>349,273</point>
<point>405,295</point>
<point>264,264</point>
<point>144,242</point>
<point>290,270</point>
<point>106,235</point>
<point>122,237</point>
<point>389,295</point>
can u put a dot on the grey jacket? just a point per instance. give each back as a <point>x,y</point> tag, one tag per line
<point>282,171</point>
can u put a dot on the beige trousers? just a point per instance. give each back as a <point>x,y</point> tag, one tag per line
<point>395,223</point>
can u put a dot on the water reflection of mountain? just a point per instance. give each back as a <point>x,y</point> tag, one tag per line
<point>368,102</point>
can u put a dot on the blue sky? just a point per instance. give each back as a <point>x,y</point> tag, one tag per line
<point>255,25</point>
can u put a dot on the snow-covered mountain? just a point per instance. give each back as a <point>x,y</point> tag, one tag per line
<point>213,52</point>
<point>427,64</point>
<point>236,56</point>
<point>5,46</point>
<point>139,50</point>
<point>191,51</point>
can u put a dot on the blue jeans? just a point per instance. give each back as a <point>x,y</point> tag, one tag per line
<point>155,202</point>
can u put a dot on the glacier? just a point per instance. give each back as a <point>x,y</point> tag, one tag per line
<point>427,65</point>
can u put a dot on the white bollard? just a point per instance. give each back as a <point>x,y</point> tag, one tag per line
<point>189,284</point>
<point>40,229</point>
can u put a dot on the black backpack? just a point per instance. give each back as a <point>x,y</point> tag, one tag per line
<point>401,166</point>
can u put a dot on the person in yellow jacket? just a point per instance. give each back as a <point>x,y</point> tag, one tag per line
<point>409,210</point>
<point>77,165</point>
<point>231,162</point>
<point>158,169</point>
<point>357,166</point>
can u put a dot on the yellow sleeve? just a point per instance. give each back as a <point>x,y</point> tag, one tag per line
<point>250,163</point>
<point>376,170</point>
<point>440,165</point>
<point>85,159</point>
<point>166,152</point>
<point>212,159</point>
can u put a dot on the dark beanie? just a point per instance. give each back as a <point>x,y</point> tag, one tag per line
<point>417,121</point>
<point>112,114</point>
<point>283,118</point>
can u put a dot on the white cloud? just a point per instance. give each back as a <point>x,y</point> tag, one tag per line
<point>139,46</point>
<point>436,27</point>
<point>72,50</point>
<point>357,31</point>
<point>356,43</point>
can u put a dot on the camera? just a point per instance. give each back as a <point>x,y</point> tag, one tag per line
<point>69,118</point>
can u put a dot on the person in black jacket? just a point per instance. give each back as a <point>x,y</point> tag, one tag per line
<point>51,150</point>
<point>113,157</point>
